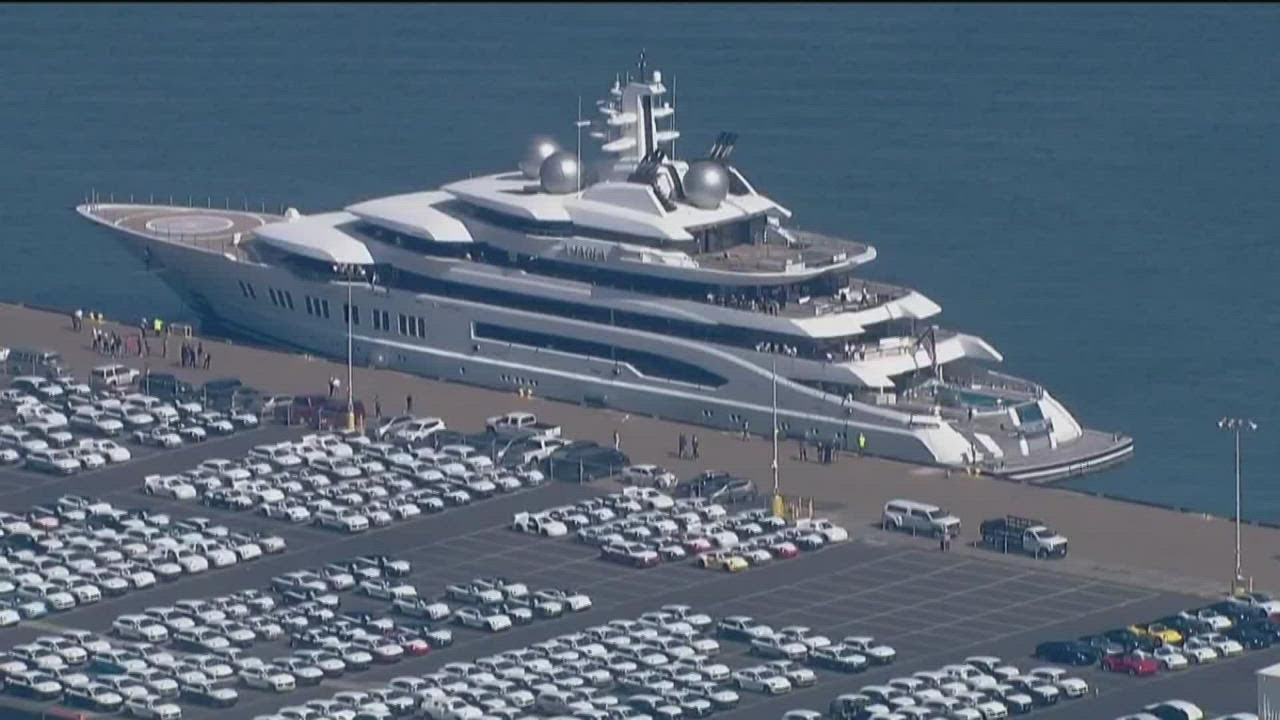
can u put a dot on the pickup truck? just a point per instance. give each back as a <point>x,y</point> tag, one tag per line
<point>1026,535</point>
<point>531,450</point>
<point>521,424</point>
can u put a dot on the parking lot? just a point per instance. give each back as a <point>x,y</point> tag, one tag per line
<point>934,608</point>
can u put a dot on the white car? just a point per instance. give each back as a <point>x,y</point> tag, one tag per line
<point>575,601</point>
<point>539,524</point>
<point>89,458</point>
<point>160,437</point>
<point>171,486</point>
<point>759,679</point>
<point>775,646</point>
<point>53,461</point>
<point>421,607</point>
<point>1170,658</point>
<point>649,498</point>
<point>110,449</point>
<point>287,511</point>
<point>475,618</point>
<point>152,707</point>
<point>450,707</point>
<point>268,677</point>
<point>1198,651</point>
<point>1225,646</point>
<point>878,653</point>
<point>1217,621</point>
<point>139,627</point>
<point>829,531</point>
<point>387,590</point>
<point>1069,686</point>
<point>647,475</point>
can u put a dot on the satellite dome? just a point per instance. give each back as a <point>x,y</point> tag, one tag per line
<point>292,214</point>
<point>559,174</point>
<point>706,184</point>
<point>540,148</point>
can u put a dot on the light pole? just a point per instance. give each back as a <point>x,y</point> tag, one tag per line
<point>350,272</point>
<point>776,501</point>
<point>1235,425</point>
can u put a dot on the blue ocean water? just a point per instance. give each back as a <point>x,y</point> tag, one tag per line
<point>1089,187</point>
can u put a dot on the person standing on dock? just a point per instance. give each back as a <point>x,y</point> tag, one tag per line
<point>377,407</point>
<point>208,360</point>
<point>693,445</point>
<point>746,429</point>
<point>77,320</point>
<point>683,447</point>
<point>408,404</point>
<point>333,385</point>
<point>617,440</point>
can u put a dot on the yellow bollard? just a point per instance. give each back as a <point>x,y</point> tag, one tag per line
<point>777,506</point>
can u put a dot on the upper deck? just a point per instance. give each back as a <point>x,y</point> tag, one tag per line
<point>787,251</point>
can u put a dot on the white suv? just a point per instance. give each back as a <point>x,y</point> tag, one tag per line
<point>919,518</point>
<point>112,376</point>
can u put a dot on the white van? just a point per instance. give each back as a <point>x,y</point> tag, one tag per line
<point>919,518</point>
<point>112,376</point>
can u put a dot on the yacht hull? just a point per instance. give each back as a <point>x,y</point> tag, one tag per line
<point>458,345</point>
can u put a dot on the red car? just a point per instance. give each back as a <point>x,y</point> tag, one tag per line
<point>414,646</point>
<point>697,545</point>
<point>1132,663</point>
<point>784,550</point>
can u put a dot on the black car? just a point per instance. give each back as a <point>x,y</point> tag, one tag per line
<point>1252,636</point>
<point>719,487</point>
<point>1130,640</point>
<point>584,461</point>
<point>1239,612</point>
<point>168,386</point>
<point>1068,653</point>
<point>1185,625</point>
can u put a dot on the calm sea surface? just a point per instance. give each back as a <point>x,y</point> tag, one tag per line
<point>1091,188</point>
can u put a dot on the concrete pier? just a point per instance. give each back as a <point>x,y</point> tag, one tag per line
<point>1131,542</point>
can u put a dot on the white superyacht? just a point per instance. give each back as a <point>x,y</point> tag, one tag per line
<point>642,282</point>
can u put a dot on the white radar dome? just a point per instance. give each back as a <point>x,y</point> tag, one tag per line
<point>559,174</point>
<point>540,148</point>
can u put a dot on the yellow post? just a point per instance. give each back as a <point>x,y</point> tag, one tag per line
<point>351,420</point>
<point>778,506</point>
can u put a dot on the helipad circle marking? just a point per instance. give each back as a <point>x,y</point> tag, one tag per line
<point>189,225</point>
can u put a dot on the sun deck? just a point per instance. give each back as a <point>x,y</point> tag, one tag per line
<point>788,251</point>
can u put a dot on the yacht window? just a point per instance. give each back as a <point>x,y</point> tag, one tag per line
<point>324,307</point>
<point>351,314</point>
<point>288,299</point>
<point>649,364</point>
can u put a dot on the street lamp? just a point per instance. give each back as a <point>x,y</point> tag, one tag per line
<point>776,504</point>
<point>1235,425</point>
<point>350,273</point>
